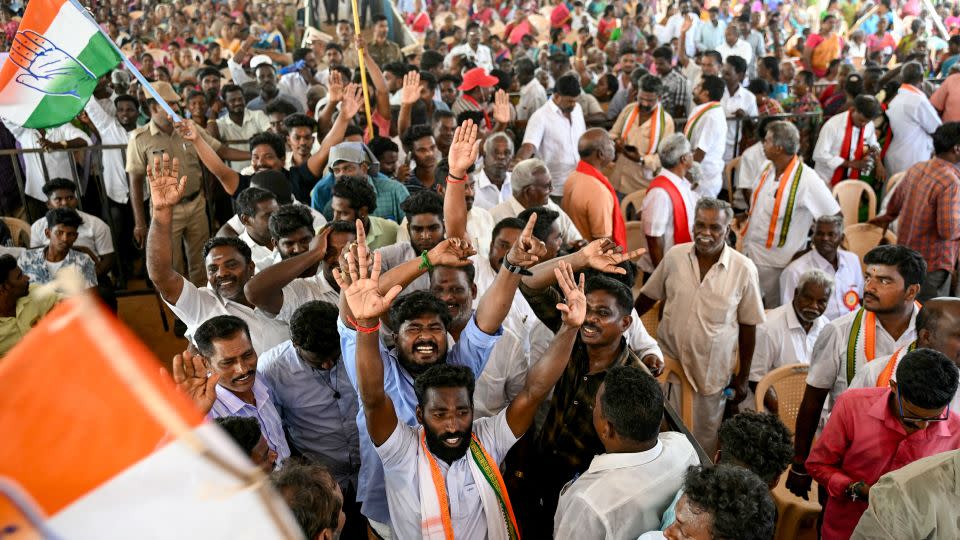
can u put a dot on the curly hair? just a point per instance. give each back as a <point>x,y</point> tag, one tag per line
<point>738,500</point>
<point>545,220</point>
<point>757,441</point>
<point>443,376</point>
<point>289,218</point>
<point>63,216</point>
<point>927,378</point>
<point>423,202</point>
<point>311,493</point>
<point>271,140</point>
<point>414,305</point>
<point>357,191</point>
<point>313,327</point>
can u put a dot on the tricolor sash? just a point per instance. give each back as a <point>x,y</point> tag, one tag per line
<point>697,115</point>
<point>887,374</point>
<point>681,227</point>
<point>793,170</point>
<point>862,341</point>
<point>912,88</point>
<point>840,173</point>
<point>658,119</point>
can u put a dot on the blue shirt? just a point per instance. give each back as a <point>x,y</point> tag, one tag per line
<point>228,404</point>
<point>869,26</point>
<point>472,350</point>
<point>321,425</point>
<point>33,263</point>
<point>710,36</point>
<point>390,194</point>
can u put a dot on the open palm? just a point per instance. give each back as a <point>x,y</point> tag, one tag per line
<point>362,287</point>
<point>464,149</point>
<point>574,309</point>
<point>192,377</point>
<point>604,255</point>
<point>48,68</point>
<point>165,190</point>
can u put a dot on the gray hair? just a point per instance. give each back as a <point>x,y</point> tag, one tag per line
<point>830,219</point>
<point>523,172</point>
<point>672,149</point>
<point>785,135</point>
<point>695,173</point>
<point>709,203</point>
<point>492,140</point>
<point>816,277</point>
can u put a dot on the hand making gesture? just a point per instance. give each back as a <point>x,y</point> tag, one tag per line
<point>363,294</point>
<point>464,149</point>
<point>528,249</point>
<point>187,130</point>
<point>451,252</point>
<point>501,107</point>
<point>411,88</point>
<point>352,100</point>
<point>165,190</point>
<point>603,255</point>
<point>574,310</point>
<point>193,378</point>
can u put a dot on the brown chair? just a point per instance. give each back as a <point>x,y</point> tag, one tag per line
<point>630,205</point>
<point>862,237</point>
<point>19,231</point>
<point>848,193</point>
<point>651,319</point>
<point>788,382</point>
<point>673,373</point>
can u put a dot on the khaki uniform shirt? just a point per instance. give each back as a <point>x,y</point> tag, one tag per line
<point>147,139</point>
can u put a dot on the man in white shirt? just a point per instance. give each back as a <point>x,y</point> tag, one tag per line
<point>296,84</point>
<point>711,307</point>
<point>788,196</point>
<point>667,210</point>
<point>111,133</point>
<point>604,501</point>
<point>752,161</point>
<point>737,102</point>
<point>531,184</point>
<point>239,124</point>
<point>707,131</point>
<point>834,162</point>
<point>472,50</point>
<point>254,207</point>
<point>826,255</point>
<point>885,323</point>
<point>58,164</point>
<point>790,331</point>
<point>554,131</point>
<point>493,180</point>
<point>912,121</point>
<point>532,94</point>
<point>734,46</point>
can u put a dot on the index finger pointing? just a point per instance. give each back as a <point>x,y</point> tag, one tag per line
<point>528,228</point>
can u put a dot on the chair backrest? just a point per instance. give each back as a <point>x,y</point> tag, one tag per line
<point>848,193</point>
<point>630,205</point>
<point>862,237</point>
<point>788,382</point>
<point>728,172</point>
<point>635,237</point>
<point>19,231</point>
<point>651,319</point>
<point>892,183</point>
<point>673,373</point>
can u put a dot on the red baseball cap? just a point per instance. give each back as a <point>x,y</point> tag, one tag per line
<point>477,77</point>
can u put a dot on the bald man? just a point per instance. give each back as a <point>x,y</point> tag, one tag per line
<point>938,328</point>
<point>588,197</point>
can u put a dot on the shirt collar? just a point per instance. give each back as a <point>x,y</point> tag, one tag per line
<point>673,177</point>
<point>234,404</point>
<point>609,462</point>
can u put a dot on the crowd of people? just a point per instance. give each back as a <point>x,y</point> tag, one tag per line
<point>413,295</point>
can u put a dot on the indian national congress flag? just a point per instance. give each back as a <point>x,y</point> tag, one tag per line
<point>56,58</point>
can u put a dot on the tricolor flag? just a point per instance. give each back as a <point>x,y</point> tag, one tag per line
<point>57,56</point>
<point>105,447</point>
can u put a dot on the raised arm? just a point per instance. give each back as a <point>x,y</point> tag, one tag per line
<point>228,177</point>
<point>376,77</point>
<point>368,304</point>
<point>463,153</point>
<point>265,289</point>
<point>545,373</point>
<point>349,107</point>
<point>601,254</point>
<point>409,95</point>
<point>165,192</point>
<point>335,88</point>
<point>501,111</point>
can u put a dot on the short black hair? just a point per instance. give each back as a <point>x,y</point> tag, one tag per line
<point>128,98</point>
<point>280,106</point>
<point>7,264</point>
<point>313,327</point>
<point>228,241</point>
<point>469,269</point>
<point>249,198</point>
<point>663,53</point>
<point>381,145</point>
<point>300,53</point>
<point>439,115</point>
<point>476,116</point>
<point>853,85</point>
<point>633,402</point>
<point>357,191</point>
<point>946,137</point>
<point>808,77</point>
<point>613,287</point>
<point>443,376</point>
<point>449,77</point>
<point>208,70</point>
<point>714,86</point>
<point>342,227</point>
<point>757,441</point>
<point>760,86</point>
<point>63,216</point>
<point>738,64</point>
<point>218,327</point>
<point>415,304</point>
<point>299,120</point>
<point>352,131</point>
<point>310,492</point>
<point>331,46</point>
<point>243,430</point>
<point>228,88</point>
<point>398,69</point>
<point>545,219</point>
<point>423,202</point>
<point>910,264</point>
<point>429,78</point>
<point>56,184</point>
<point>271,139</point>
<point>867,105</point>
<point>738,499</point>
<point>414,134</point>
<point>772,65</point>
<point>651,83</point>
<point>567,85</point>
<point>290,218</point>
<point>429,60</point>
<point>504,79</point>
<point>612,82</point>
<point>715,55</point>
<point>927,378</point>
<point>507,223</point>
<point>378,17</point>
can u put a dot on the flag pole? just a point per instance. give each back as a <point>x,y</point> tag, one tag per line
<point>129,65</point>
<point>363,70</point>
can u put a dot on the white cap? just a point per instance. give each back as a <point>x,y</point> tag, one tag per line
<point>260,60</point>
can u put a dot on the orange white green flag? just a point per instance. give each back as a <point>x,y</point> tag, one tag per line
<point>56,57</point>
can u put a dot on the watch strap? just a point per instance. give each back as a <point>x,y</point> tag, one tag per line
<point>514,269</point>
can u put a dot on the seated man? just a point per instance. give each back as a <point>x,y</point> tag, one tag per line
<point>255,206</point>
<point>274,182</point>
<point>314,499</point>
<point>222,379</point>
<point>245,431</point>
<point>21,305</point>
<point>873,431</point>
<point>353,199</point>
<point>42,264</point>
<point>604,501</point>
<point>425,228</point>
<point>355,159</point>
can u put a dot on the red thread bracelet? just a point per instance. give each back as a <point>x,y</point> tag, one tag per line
<point>364,329</point>
<point>454,180</point>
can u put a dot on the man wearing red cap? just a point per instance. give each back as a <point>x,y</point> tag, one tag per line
<point>476,88</point>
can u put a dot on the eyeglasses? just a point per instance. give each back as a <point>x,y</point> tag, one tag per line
<point>943,416</point>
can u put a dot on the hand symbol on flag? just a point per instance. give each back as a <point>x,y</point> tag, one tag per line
<point>48,68</point>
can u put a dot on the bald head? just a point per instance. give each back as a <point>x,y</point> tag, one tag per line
<point>596,147</point>
<point>938,327</point>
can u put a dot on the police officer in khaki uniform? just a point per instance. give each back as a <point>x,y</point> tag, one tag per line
<point>190,226</point>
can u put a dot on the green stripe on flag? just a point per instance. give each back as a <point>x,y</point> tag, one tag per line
<point>99,57</point>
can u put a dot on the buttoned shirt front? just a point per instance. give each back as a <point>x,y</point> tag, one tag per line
<point>532,97</point>
<point>827,152</point>
<point>741,100</point>
<point>228,404</point>
<point>295,86</point>
<point>318,408</point>
<point>503,377</point>
<point>554,136</point>
<point>656,213</point>
<point>847,277</point>
<point>33,263</point>
<point>912,121</point>
<point>512,208</point>
<point>111,134</point>
<point>741,48</point>
<point>782,341</point>
<point>487,194</point>
<point>481,57</point>
<point>629,176</point>
<point>710,36</point>
<point>58,164</point>
<point>302,290</point>
<point>677,92</point>
<point>149,140</point>
<point>253,122</point>
<point>701,319</point>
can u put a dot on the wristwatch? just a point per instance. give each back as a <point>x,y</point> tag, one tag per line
<point>513,269</point>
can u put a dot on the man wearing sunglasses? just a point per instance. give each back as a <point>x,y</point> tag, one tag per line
<point>873,431</point>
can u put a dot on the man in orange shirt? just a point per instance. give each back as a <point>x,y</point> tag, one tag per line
<point>946,100</point>
<point>588,197</point>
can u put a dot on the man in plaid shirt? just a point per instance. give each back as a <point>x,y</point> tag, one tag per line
<point>927,202</point>
<point>677,95</point>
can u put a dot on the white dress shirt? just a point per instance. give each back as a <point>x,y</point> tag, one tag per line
<point>58,163</point>
<point>813,199</point>
<point>741,48</point>
<point>656,213</point>
<point>604,502</point>
<point>302,290</point>
<point>744,100</point>
<point>555,138</point>
<point>93,234</point>
<point>826,154</point>
<point>512,208</point>
<point>487,194</point>
<point>847,277</point>
<point>263,258</point>
<point>111,133</point>
<point>254,122</point>
<point>710,136</point>
<point>782,341</point>
<point>532,97</point>
<point>481,57</point>
<point>318,220</point>
<point>295,86</point>
<point>913,121</point>
<point>503,377</point>
<point>752,161</point>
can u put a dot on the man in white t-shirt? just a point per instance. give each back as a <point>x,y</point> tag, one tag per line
<point>254,207</point>
<point>706,129</point>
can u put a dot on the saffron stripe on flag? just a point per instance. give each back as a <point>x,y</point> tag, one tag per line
<point>38,18</point>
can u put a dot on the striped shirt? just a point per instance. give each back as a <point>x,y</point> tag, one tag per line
<point>228,404</point>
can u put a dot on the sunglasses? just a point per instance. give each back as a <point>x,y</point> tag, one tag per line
<point>943,416</point>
